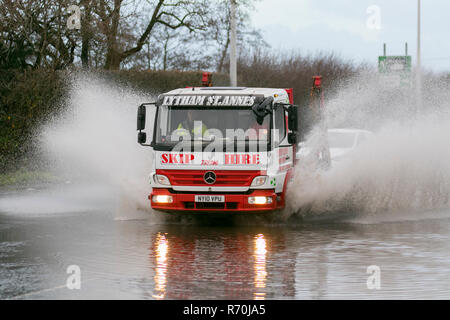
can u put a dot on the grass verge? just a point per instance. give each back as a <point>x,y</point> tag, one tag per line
<point>26,177</point>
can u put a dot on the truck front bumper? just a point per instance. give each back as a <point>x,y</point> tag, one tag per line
<point>234,202</point>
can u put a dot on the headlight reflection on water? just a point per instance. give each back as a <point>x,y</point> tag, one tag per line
<point>161,254</point>
<point>161,251</point>
<point>260,253</point>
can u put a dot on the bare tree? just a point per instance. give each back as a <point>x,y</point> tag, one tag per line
<point>39,28</point>
<point>138,34</point>
<point>177,14</point>
<point>205,49</point>
<point>86,32</point>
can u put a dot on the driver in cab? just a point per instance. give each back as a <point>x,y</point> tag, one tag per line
<point>188,125</point>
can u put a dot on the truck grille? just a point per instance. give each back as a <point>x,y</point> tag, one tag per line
<point>223,177</point>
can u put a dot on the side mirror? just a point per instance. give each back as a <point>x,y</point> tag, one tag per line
<point>259,120</point>
<point>292,137</point>
<point>141,117</point>
<point>262,109</point>
<point>293,118</point>
<point>142,137</point>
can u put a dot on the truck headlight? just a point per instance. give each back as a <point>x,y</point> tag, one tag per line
<point>161,198</point>
<point>161,179</point>
<point>259,200</point>
<point>259,181</point>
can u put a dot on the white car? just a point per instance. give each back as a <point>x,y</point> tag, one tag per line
<point>341,142</point>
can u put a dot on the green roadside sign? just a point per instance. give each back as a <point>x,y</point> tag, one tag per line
<point>396,70</point>
<point>389,64</point>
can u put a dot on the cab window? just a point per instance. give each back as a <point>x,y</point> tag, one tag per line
<point>280,123</point>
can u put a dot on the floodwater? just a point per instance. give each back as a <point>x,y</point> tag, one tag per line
<point>43,232</point>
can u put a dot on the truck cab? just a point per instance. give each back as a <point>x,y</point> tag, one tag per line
<point>221,149</point>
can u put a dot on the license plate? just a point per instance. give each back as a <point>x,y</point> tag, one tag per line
<point>209,198</point>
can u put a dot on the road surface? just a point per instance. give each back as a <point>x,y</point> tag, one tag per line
<point>44,233</point>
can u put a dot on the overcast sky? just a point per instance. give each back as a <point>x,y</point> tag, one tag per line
<point>350,28</point>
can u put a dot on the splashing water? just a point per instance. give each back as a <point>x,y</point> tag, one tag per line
<point>95,141</point>
<point>405,167</point>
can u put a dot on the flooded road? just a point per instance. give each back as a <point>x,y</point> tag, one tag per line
<point>42,233</point>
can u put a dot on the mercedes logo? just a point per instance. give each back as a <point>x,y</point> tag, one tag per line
<point>209,177</point>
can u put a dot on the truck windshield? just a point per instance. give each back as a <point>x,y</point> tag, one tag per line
<point>224,124</point>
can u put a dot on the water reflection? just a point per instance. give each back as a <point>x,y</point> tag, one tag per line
<point>312,262</point>
<point>161,251</point>
<point>260,252</point>
<point>229,266</point>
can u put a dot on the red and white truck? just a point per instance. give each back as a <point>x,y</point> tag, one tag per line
<point>221,149</point>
